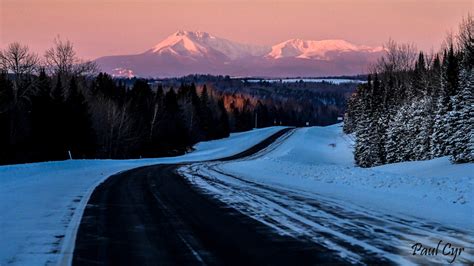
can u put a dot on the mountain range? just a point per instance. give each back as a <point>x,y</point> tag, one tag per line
<point>195,52</point>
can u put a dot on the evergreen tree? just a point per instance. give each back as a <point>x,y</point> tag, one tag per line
<point>205,115</point>
<point>41,114</point>
<point>462,118</point>
<point>78,130</point>
<point>419,76</point>
<point>190,106</point>
<point>105,86</point>
<point>173,133</point>
<point>443,106</point>
<point>6,95</point>
<point>141,100</point>
<point>222,127</point>
<point>397,141</point>
<point>451,73</point>
<point>58,121</point>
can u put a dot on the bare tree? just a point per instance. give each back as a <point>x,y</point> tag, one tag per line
<point>17,59</point>
<point>114,126</point>
<point>154,118</point>
<point>397,58</point>
<point>61,59</point>
<point>465,37</point>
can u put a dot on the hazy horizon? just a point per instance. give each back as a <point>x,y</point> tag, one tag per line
<point>104,27</point>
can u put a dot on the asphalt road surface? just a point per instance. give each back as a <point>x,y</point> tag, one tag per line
<point>153,216</point>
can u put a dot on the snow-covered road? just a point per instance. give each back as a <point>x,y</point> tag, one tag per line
<point>358,230</point>
<point>41,204</point>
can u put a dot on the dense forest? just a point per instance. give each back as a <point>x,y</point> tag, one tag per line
<point>417,107</point>
<point>57,106</point>
<point>293,103</point>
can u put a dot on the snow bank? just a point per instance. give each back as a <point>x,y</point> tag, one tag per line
<point>319,160</point>
<point>41,204</point>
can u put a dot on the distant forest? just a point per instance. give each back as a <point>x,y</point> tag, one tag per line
<point>417,106</point>
<point>57,104</point>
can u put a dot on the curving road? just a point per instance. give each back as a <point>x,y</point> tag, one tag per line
<point>154,216</point>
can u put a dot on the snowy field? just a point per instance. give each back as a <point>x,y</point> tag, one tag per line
<point>307,186</point>
<point>41,204</point>
<point>317,80</point>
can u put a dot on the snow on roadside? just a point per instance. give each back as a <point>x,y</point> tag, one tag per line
<point>320,160</point>
<point>306,185</point>
<point>41,204</point>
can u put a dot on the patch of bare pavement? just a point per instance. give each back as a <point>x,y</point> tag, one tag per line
<point>153,216</point>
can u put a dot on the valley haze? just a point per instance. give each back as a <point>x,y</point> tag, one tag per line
<point>196,52</point>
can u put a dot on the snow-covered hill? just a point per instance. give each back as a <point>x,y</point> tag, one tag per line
<point>190,52</point>
<point>320,159</point>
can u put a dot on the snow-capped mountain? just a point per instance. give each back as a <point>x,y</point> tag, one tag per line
<point>191,52</point>
<point>321,50</point>
<point>202,44</point>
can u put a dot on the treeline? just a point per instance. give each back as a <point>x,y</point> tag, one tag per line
<point>57,104</point>
<point>416,107</point>
<point>295,104</point>
<point>274,109</point>
<point>97,118</point>
<point>289,104</point>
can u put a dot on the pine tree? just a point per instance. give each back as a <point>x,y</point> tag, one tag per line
<point>173,133</point>
<point>354,111</point>
<point>58,93</point>
<point>451,73</point>
<point>441,130</point>
<point>6,95</point>
<point>434,81</point>
<point>58,121</point>
<point>263,116</point>
<point>463,109</point>
<point>78,130</point>
<point>190,107</point>
<point>205,115</point>
<point>451,76</point>
<point>41,118</point>
<point>418,132</point>
<point>141,108</point>
<point>105,86</point>
<point>419,88</point>
<point>397,140</point>
<point>222,128</point>
<point>462,118</point>
<point>368,143</point>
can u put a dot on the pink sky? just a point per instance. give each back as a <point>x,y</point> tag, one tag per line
<point>105,27</point>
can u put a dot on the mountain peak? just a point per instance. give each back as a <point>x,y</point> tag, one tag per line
<point>192,34</point>
<point>312,49</point>
<point>182,43</point>
<point>181,33</point>
<point>186,52</point>
<point>202,44</point>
